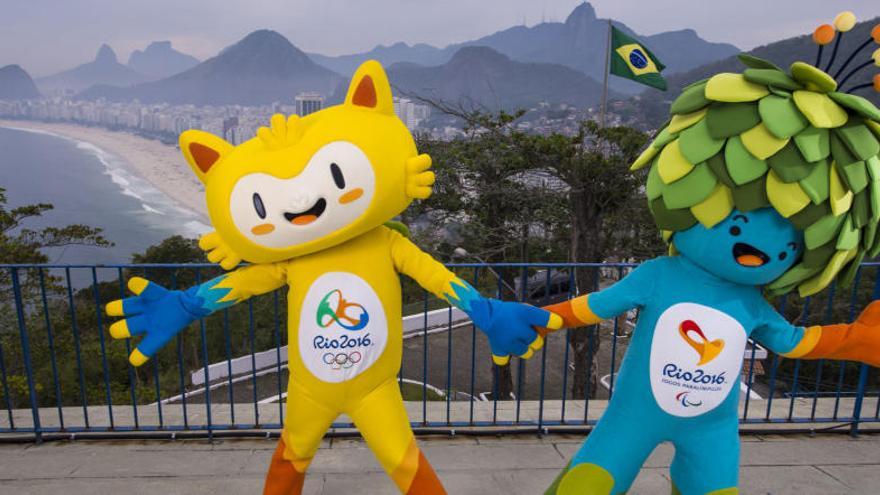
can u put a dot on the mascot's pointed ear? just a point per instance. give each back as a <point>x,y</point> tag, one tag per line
<point>370,89</point>
<point>202,151</point>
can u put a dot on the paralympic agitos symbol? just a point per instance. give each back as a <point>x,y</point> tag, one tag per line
<point>327,314</point>
<point>708,350</point>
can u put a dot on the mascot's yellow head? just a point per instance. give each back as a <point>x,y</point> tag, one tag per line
<point>309,183</point>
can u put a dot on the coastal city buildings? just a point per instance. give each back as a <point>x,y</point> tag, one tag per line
<point>238,123</point>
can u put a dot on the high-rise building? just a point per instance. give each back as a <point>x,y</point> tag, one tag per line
<point>307,103</point>
<point>411,113</point>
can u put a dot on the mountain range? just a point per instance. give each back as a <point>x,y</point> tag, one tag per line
<point>478,75</point>
<point>16,84</point>
<point>160,60</point>
<point>264,67</point>
<point>579,43</point>
<point>104,69</point>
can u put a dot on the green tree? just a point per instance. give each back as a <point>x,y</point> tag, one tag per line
<point>488,199</point>
<point>607,215</point>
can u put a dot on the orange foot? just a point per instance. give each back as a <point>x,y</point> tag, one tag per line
<point>283,478</point>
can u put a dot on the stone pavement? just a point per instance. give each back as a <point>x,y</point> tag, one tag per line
<point>523,464</point>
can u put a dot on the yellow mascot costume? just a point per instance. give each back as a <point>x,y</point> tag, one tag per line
<point>306,202</point>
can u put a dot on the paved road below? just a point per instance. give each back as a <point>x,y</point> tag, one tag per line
<point>791,464</point>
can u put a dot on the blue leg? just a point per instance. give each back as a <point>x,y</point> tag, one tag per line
<point>707,459</point>
<point>610,458</point>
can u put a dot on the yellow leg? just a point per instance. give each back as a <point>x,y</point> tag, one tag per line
<point>306,422</point>
<point>381,419</point>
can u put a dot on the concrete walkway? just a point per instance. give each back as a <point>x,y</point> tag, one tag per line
<point>772,464</point>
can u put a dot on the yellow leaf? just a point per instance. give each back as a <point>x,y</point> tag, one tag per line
<point>787,198</point>
<point>645,158</point>
<point>761,143</point>
<point>715,208</point>
<point>683,121</point>
<point>820,281</point>
<point>731,87</point>
<point>839,196</point>
<point>819,109</point>
<point>672,164</point>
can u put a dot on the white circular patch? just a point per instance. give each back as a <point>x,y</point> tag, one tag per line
<point>342,327</point>
<point>696,357</point>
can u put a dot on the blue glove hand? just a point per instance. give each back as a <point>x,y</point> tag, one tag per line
<point>510,327</point>
<point>156,312</point>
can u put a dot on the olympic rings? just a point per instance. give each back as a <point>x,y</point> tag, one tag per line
<point>342,360</point>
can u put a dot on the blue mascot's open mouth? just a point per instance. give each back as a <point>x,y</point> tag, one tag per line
<point>748,255</point>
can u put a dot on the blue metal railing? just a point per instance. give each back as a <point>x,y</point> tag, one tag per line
<point>60,375</point>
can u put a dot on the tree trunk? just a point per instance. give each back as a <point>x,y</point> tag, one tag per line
<point>585,343</point>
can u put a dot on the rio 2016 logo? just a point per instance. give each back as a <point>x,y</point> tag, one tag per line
<point>348,315</point>
<point>707,349</point>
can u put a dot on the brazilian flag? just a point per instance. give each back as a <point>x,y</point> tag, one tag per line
<point>632,60</point>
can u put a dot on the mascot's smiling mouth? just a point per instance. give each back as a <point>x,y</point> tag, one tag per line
<point>748,255</point>
<point>308,216</point>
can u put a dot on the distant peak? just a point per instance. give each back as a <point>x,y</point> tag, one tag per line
<point>478,54</point>
<point>106,55</point>
<point>264,36</point>
<point>159,46</point>
<point>581,14</point>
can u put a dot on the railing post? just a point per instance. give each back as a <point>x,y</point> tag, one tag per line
<point>860,395</point>
<point>26,354</point>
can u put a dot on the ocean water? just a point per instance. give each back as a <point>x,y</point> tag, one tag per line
<point>88,185</point>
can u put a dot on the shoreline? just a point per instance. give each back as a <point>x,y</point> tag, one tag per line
<point>161,165</point>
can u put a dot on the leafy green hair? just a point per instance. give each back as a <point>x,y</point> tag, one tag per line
<point>767,138</point>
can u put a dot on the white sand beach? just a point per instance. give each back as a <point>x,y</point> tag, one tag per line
<point>159,164</point>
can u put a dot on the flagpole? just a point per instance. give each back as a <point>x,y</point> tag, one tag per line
<point>605,84</point>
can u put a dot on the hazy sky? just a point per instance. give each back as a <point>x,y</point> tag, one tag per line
<point>45,36</point>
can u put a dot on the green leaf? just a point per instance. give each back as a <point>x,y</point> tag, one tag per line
<point>809,215</point>
<point>811,77</point>
<point>772,77</point>
<point>861,210</point>
<point>654,185</point>
<point>873,164</point>
<point>756,62</point>
<point>697,145</point>
<point>813,143</point>
<point>789,164</point>
<point>855,175</point>
<point>795,275</point>
<point>816,184</point>
<point>818,257</point>
<point>690,100</point>
<point>742,166</point>
<point>823,231</point>
<point>849,235</point>
<point>856,103</point>
<point>675,220</point>
<point>840,153</point>
<point>852,269</point>
<point>719,168</point>
<point>731,119</point>
<point>751,196</point>
<point>690,189</point>
<point>663,138</point>
<point>859,140</point>
<point>781,116</point>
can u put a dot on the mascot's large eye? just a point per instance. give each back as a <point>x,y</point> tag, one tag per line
<point>338,178</point>
<point>258,205</point>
